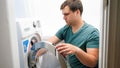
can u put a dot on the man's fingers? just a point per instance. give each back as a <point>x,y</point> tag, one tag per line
<point>60,45</point>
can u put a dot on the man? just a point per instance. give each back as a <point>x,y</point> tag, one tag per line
<point>81,39</point>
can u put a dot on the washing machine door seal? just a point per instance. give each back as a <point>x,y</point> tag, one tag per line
<point>49,57</point>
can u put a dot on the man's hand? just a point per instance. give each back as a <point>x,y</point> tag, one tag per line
<point>66,49</point>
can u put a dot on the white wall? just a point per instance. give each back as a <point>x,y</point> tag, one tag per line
<point>92,12</point>
<point>51,17</point>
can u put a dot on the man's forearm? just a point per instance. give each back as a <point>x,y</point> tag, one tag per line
<point>85,58</point>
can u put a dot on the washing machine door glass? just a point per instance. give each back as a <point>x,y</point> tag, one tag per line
<point>48,56</point>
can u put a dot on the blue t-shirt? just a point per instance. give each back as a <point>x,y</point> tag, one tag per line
<point>86,37</point>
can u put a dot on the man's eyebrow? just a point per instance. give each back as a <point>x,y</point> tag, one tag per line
<point>66,13</point>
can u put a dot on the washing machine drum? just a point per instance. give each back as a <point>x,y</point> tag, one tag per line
<point>48,56</point>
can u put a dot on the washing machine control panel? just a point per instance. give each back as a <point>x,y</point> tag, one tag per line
<point>28,26</point>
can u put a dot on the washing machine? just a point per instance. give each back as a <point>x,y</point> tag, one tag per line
<point>29,34</point>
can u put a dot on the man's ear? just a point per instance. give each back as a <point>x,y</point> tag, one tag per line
<point>77,12</point>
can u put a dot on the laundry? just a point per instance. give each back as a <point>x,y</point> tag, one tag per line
<point>46,56</point>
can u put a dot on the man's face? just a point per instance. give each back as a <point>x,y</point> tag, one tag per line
<point>68,15</point>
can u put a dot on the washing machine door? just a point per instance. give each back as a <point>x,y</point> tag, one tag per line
<point>48,56</point>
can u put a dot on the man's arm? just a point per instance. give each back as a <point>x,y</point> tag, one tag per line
<point>88,58</point>
<point>54,40</point>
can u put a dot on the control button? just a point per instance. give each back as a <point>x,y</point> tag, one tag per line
<point>34,25</point>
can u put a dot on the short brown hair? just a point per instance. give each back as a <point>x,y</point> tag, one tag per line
<point>73,5</point>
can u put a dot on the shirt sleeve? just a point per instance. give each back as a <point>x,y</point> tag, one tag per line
<point>61,32</point>
<point>93,40</point>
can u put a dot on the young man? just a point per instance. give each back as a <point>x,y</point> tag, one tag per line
<point>81,40</point>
